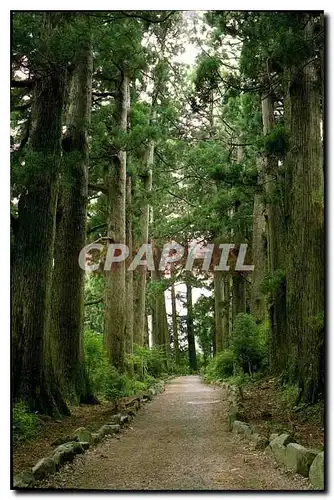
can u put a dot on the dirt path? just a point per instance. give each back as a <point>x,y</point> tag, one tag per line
<point>179,441</point>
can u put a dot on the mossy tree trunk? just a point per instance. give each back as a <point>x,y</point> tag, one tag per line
<point>259,256</point>
<point>222,298</point>
<point>238,280</point>
<point>305,273</point>
<point>160,330</point>
<point>34,380</point>
<point>140,273</point>
<point>67,307</point>
<point>276,191</point>
<point>115,293</point>
<point>129,326</point>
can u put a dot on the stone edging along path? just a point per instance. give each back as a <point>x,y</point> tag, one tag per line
<point>82,439</point>
<point>307,462</point>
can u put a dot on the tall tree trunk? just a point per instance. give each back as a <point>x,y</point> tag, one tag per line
<point>140,274</point>
<point>305,273</point>
<point>165,326</point>
<point>259,244</point>
<point>190,330</point>
<point>147,332</point>
<point>239,295</point>
<point>115,294</point>
<point>175,326</point>
<point>160,329</point>
<point>239,282</point>
<point>67,308</point>
<point>222,298</point>
<point>129,274</point>
<point>276,184</point>
<point>34,380</point>
<point>218,292</point>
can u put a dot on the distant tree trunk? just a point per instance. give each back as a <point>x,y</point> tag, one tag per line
<point>160,331</point>
<point>213,340</point>
<point>259,243</point>
<point>166,334</point>
<point>129,327</point>
<point>160,325</point>
<point>115,295</point>
<point>230,305</point>
<point>305,273</point>
<point>239,294</point>
<point>34,380</point>
<point>147,333</point>
<point>175,326</point>
<point>221,293</point>
<point>223,311</point>
<point>67,306</point>
<point>190,330</point>
<point>218,279</point>
<point>129,274</point>
<point>141,271</point>
<point>239,283</point>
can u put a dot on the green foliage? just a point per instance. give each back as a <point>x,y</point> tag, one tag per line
<point>246,343</point>
<point>182,367</point>
<point>272,281</point>
<point>105,381</point>
<point>247,354</point>
<point>99,370</point>
<point>207,77</point>
<point>94,313</point>
<point>276,143</point>
<point>25,423</point>
<point>149,362</point>
<point>220,366</point>
<point>204,324</point>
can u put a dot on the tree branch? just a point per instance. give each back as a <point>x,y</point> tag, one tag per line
<point>95,228</point>
<point>95,301</point>
<point>98,187</point>
<point>103,94</point>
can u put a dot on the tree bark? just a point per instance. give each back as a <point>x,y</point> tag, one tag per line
<point>259,244</point>
<point>129,327</point>
<point>175,326</point>
<point>190,330</point>
<point>140,274</point>
<point>34,380</point>
<point>147,333</point>
<point>160,330</point>
<point>239,283</point>
<point>222,298</point>
<point>305,272</point>
<point>67,308</point>
<point>115,295</point>
<point>276,184</point>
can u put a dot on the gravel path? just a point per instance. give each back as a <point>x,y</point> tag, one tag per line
<point>179,441</point>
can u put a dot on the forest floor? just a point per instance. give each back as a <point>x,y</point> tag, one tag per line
<point>179,441</point>
<point>27,453</point>
<point>271,408</point>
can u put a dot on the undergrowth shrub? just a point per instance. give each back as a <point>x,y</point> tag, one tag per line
<point>247,355</point>
<point>182,367</point>
<point>107,382</point>
<point>148,361</point>
<point>246,343</point>
<point>220,366</point>
<point>25,423</point>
